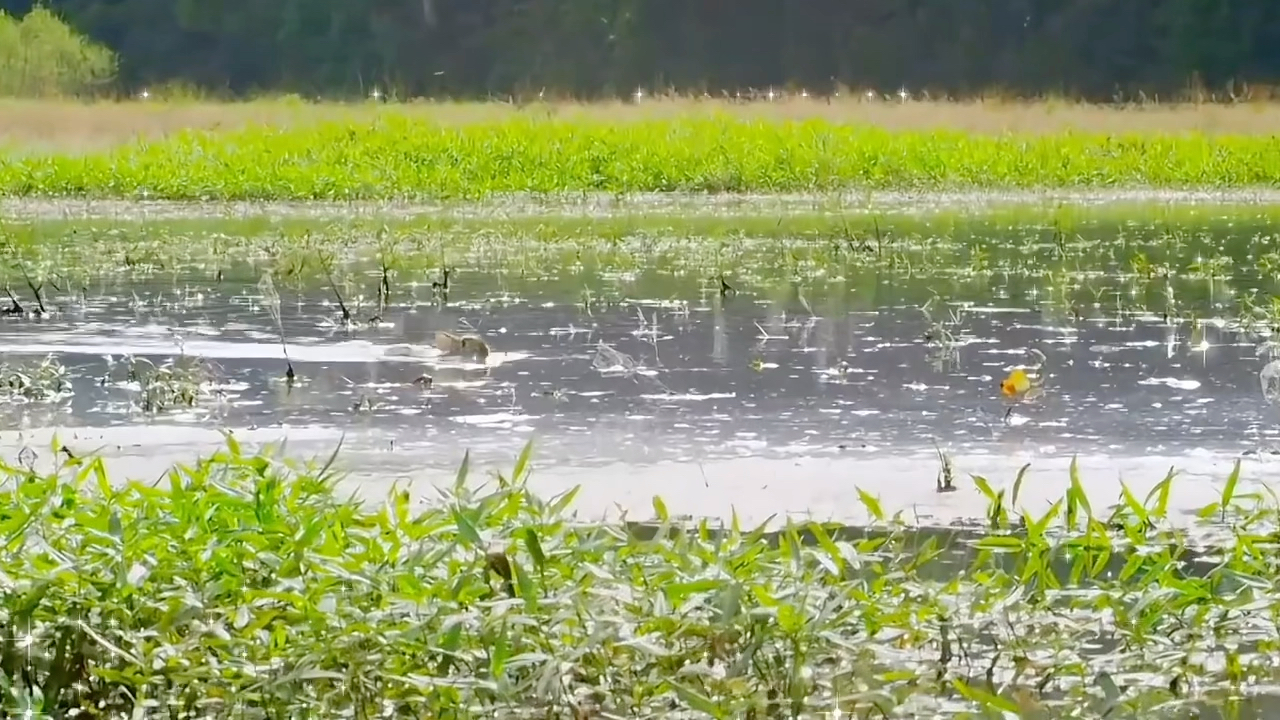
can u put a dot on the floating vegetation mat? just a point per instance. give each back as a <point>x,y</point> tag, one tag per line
<point>242,586</point>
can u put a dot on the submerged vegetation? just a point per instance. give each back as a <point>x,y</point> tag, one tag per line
<point>1200,281</point>
<point>243,585</point>
<point>398,156</point>
<point>1198,269</point>
<point>43,381</point>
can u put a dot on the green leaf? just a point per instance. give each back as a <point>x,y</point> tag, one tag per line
<point>1017,485</point>
<point>871,504</point>
<point>1131,566</point>
<point>660,510</point>
<point>1078,488</point>
<point>233,445</point>
<point>643,645</point>
<point>1037,528</point>
<point>535,549</point>
<point>522,462</point>
<point>323,472</point>
<point>790,621</point>
<point>400,506</point>
<point>1109,688</point>
<point>466,529</point>
<point>460,480</point>
<point>677,592</point>
<point>1000,543</point>
<point>985,488</point>
<point>563,501</point>
<point>111,647</point>
<point>100,476</point>
<point>983,698</point>
<point>498,654</point>
<point>1161,491</point>
<point>824,541</point>
<point>1135,507</point>
<point>729,604</point>
<point>527,591</point>
<point>697,701</point>
<point>1229,491</point>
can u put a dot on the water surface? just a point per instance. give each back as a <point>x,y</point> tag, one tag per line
<point>829,359</point>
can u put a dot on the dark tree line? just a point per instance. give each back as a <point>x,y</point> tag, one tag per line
<point>1091,48</point>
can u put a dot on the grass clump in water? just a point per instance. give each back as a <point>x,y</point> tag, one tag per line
<point>44,381</point>
<point>245,586</point>
<point>399,157</point>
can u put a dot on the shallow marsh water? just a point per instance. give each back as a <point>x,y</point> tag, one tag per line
<point>1135,204</point>
<point>844,351</point>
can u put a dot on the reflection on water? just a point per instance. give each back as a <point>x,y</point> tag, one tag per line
<point>712,377</point>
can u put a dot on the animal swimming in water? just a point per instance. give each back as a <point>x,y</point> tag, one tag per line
<point>463,345</point>
<point>446,343</point>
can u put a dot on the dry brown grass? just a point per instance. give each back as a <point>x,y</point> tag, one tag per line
<point>45,126</point>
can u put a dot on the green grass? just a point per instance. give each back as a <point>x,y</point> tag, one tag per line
<point>246,586</point>
<point>398,157</point>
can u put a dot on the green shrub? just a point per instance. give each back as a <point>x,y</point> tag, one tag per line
<point>41,56</point>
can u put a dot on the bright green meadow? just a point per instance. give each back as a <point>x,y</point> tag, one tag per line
<point>399,157</point>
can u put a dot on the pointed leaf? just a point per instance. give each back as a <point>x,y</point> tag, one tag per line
<point>522,462</point>
<point>1229,491</point>
<point>460,480</point>
<point>466,529</point>
<point>872,504</point>
<point>535,549</point>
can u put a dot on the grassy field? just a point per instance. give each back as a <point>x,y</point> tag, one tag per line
<point>303,152</point>
<point>70,127</point>
<point>245,586</point>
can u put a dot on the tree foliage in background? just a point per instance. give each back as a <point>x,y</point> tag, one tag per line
<point>40,56</point>
<point>586,48</point>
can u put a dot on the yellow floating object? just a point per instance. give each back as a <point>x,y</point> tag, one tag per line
<point>1016,384</point>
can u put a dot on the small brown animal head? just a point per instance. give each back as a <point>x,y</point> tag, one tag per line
<point>475,346</point>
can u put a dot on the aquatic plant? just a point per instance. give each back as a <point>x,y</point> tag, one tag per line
<point>398,156</point>
<point>178,382</point>
<point>941,335</point>
<point>271,301</point>
<point>43,381</point>
<point>245,585</point>
<point>757,250</point>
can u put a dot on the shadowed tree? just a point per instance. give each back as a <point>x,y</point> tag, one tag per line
<point>592,47</point>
